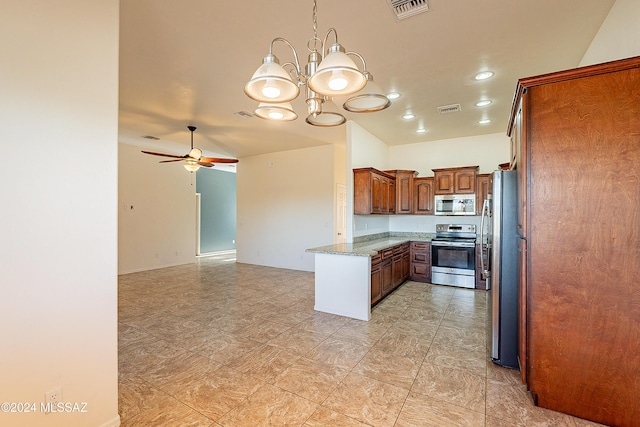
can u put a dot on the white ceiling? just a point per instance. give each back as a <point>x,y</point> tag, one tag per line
<point>186,63</point>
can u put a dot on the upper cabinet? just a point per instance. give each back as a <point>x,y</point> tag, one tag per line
<point>423,196</point>
<point>403,190</point>
<point>483,189</point>
<point>374,192</point>
<point>460,180</point>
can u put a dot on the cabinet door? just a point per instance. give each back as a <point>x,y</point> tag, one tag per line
<point>423,196</point>
<point>379,191</point>
<point>387,276</point>
<point>376,281</point>
<point>391,196</point>
<point>465,182</point>
<point>483,187</point>
<point>396,270</point>
<point>404,192</point>
<point>444,182</point>
<point>406,264</point>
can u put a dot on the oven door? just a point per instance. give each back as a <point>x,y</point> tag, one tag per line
<point>453,263</point>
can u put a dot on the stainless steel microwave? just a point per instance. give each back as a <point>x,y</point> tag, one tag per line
<point>455,204</point>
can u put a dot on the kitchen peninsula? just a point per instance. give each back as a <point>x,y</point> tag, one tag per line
<point>351,277</point>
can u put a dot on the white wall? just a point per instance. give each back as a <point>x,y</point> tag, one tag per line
<point>364,150</point>
<point>156,212</point>
<point>486,151</point>
<point>58,186</point>
<point>619,34</point>
<point>285,205</point>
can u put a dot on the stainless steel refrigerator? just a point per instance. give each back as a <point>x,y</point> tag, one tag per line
<point>500,216</point>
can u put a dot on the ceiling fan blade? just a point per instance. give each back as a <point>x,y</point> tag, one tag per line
<point>217,160</point>
<point>169,161</point>
<point>206,164</point>
<point>163,155</point>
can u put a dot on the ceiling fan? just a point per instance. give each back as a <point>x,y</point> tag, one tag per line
<point>194,158</point>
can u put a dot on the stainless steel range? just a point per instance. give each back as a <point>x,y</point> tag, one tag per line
<point>453,255</point>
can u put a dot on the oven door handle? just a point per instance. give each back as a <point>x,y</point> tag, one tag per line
<point>453,244</point>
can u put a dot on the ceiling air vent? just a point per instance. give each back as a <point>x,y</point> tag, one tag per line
<point>404,9</point>
<point>446,109</point>
<point>154,138</point>
<point>244,114</point>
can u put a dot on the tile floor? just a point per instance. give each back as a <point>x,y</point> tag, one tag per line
<point>219,343</point>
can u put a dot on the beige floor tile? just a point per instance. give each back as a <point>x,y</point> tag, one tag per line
<point>311,379</point>
<point>338,352</point>
<point>455,386</point>
<point>213,393</point>
<point>223,342</point>
<point>270,406</point>
<point>325,417</point>
<point>456,358</point>
<point>265,362</point>
<point>367,400</point>
<point>298,340</point>
<point>390,368</point>
<point>422,411</point>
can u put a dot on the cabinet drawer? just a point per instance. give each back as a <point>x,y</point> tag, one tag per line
<point>421,246</point>
<point>420,257</point>
<point>386,253</point>
<point>376,259</point>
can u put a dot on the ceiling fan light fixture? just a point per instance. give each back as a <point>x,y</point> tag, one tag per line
<point>191,166</point>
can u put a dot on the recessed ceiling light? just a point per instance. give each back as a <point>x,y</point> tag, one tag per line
<point>483,103</point>
<point>408,116</point>
<point>421,131</point>
<point>484,121</point>
<point>484,75</point>
<point>393,95</point>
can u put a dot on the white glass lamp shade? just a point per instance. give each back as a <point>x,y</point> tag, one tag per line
<point>327,117</point>
<point>368,99</point>
<point>191,166</point>
<point>195,153</point>
<point>271,83</point>
<point>337,75</point>
<point>279,112</point>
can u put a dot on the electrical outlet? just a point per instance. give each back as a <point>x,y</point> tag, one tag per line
<point>53,397</point>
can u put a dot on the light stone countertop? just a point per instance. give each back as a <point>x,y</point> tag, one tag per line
<point>371,247</point>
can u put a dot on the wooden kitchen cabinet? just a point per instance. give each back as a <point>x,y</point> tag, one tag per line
<point>577,156</point>
<point>403,190</point>
<point>483,189</point>
<point>420,262</point>
<point>373,192</point>
<point>461,180</point>
<point>423,196</point>
<point>376,279</point>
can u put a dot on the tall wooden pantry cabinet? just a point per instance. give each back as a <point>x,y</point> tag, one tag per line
<point>576,146</point>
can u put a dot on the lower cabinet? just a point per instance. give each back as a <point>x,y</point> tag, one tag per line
<point>389,269</point>
<point>420,262</point>
<point>376,279</point>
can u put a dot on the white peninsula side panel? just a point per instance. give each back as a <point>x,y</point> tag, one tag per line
<point>343,285</point>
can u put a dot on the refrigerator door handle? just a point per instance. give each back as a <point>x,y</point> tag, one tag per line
<point>485,212</point>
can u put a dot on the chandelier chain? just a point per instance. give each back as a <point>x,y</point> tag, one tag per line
<point>315,19</point>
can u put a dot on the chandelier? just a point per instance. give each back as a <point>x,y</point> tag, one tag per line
<point>329,73</point>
